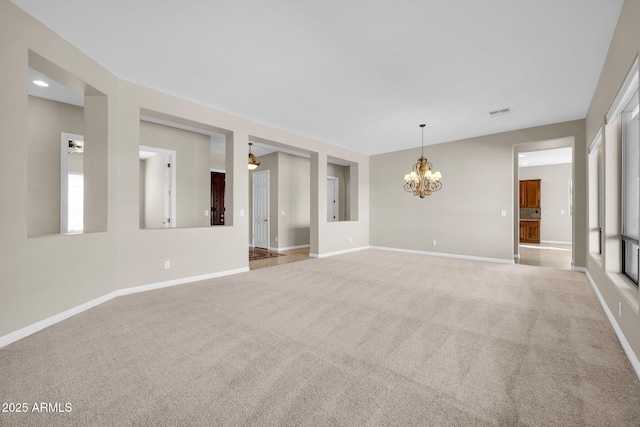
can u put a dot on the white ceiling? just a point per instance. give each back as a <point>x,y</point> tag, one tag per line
<point>362,74</point>
<point>555,156</point>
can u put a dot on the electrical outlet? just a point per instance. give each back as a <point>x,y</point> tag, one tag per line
<point>167,265</point>
<point>503,213</point>
<point>620,309</point>
<point>241,212</point>
<point>435,243</point>
<point>206,213</point>
<point>350,240</point>
<point>562,212</point>
<point>282,213</point>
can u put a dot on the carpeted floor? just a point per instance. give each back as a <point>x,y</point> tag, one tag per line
<point>368,338</point>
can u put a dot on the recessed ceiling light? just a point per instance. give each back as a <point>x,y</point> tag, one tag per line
<point>40,83</point>
<point>520,155</point>
<point>525,163</point>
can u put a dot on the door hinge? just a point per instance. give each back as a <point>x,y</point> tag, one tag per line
<point>168,165</point>
<point>169,220</point>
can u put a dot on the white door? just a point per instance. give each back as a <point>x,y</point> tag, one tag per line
<point>168,184</point>
<point>261,209</point>
<point>332,199</point>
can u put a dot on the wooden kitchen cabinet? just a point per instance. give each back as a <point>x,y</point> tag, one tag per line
<point>530,193</point>
<point>529,231</point>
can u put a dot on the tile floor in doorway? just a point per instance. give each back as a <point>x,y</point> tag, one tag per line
<point>551,255</point>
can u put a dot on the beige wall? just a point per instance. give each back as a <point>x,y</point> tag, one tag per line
<point>217,161</point>
<point>555,225</point>
<point>193,173</point>
<point>46,121</point>
<point>293,199</point>
<point>118,254</point>
<point>479,181</point>
<point>615,289</point>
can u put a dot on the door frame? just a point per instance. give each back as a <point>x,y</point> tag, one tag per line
<point>171,158</point>
<point>253,207</point>
<point>336,195</point>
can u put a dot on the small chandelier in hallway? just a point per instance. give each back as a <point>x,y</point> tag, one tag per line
<point>421,181</point>
<point>252,159</point>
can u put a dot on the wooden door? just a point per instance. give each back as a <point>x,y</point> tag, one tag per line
<point>217,198</point>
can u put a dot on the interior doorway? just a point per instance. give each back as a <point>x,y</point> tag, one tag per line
<point>332,199</point>
<point>217,198</point>
<point>260,181</point>
<point>544,219</point>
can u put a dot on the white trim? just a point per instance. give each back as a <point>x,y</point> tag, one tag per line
<point>580,269</point>
<point>557,242</point>
<point>597,140</point>
<point>345,251</point>
<point>289,248</point>
<point>628,88</point>
<point>49,321</point>
<point>445,255</point>
<point>516,256</point>
<point>253,206</point>
<point>633,359</point>
<point>218,170</point>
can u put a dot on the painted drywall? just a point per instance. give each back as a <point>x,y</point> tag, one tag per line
<point>193,174</point>
<point>555,225</point>
<point>294,201</point>
<point>217,161</point>
<point>46,121</point>
<point>479,181</point>
<point>118,254</point>
<point>619,295</point>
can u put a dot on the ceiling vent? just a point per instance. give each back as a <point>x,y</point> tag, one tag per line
<point>500,112</point>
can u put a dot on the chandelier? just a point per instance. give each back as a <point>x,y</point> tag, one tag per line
<point>252,159</point>
<point>421,181</point>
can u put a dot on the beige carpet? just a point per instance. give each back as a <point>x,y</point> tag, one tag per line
<point>368,338</point>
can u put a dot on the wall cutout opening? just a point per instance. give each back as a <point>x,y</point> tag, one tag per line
<point>342,190</point>
<point>183,177</point>
<point>67,152</point>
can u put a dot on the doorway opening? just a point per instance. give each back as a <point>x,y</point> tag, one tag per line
<point>260,209</point>
<point>545,213</point>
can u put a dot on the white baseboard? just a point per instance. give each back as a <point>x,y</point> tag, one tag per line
<point>445,255</point>
<point>289,248</point>
<point>635,363</point>
<point>182,281</point>
<point>557,242</point>
<point>38,326</point>
<point>516,256</point>
<point>346,251</point>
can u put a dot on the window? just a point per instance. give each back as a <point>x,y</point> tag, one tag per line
<point>630,188</point>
